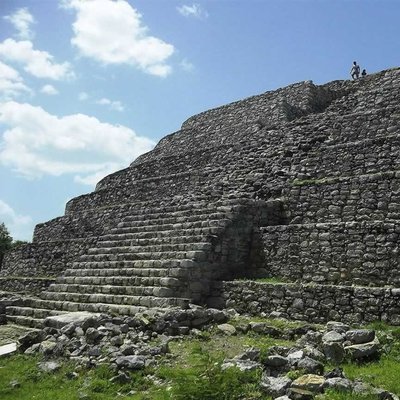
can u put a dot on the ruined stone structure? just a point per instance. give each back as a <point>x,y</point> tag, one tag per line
<point>301,184</point>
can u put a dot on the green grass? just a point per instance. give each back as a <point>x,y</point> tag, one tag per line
<point>192,370</point>
<point>35,384</point>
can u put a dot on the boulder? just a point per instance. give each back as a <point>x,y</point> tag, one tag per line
<point>309,382</point>
<point>275,386</point>
<point>78,318</point>
<point>363,351</point>
<point>360,336</point>
<point>339,384</point>
<point>227,329</point>
<point>337,326</point>
<point>49,366</point>
<point>334,352</point>
<point>131,362</point>
<point>310,366</point>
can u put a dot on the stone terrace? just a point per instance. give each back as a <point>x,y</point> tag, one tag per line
<point>300,185</point>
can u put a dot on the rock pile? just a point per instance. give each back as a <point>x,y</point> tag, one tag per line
<point>297,373</point>
<point>127,343</point>
<point>133,343</point>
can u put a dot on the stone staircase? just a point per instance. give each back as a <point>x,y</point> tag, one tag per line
<point>165,257</point>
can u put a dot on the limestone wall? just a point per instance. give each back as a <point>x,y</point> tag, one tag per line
<point>313,303</point>
<point>45,259</point>
<point>366,197</point>
<point>361,253</point>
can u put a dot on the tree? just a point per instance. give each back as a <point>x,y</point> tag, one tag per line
<point>5,241</point>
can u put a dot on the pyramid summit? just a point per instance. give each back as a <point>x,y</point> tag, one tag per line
<point>299,186</point>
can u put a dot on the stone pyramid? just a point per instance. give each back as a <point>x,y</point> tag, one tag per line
<point>301,184</point>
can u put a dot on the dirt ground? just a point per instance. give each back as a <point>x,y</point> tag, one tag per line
<point>10,333</point>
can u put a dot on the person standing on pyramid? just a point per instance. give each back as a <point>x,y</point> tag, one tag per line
<point>355,70</point>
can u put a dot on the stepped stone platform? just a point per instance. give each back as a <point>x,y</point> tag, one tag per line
<point>299,186</point>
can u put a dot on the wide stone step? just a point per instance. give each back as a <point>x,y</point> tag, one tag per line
<point>157,241</point>
<point>113,289</point>
<point>25,321</point>
<point>103,249</point>
<point>181,226</point>
<point>37,313</point>
<point>150,256</point>
<point>143,301</point>
<point>111,269</point>
<point>72,306</point>
<point>161,234</point>
<point>177,215</point>
<point>120,280</point>
<point>167,219</point>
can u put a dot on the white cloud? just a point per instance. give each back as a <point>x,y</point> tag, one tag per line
<point>11,83</point>
<point>22,20</point>
<point>49,89</point>
<point>113,105</point>
<point>112,32</point>
<point>195,10</point>
<point>83,96</point>
<point>186,65</point>
<point>38,143</point>
<point>18,225</point>
<point>36,62</point>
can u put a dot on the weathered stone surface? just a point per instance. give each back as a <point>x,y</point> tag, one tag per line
<point>131,362</point>
<point>363,351</point>
<point>339,384</point>
<point>310,382</point>
<point>298,184</point>
<point>8,349</point>
<point>359,336</point>
<point>275,386</point>
<point>49,366</point>
<point>77,318</point>
<point>227,329</point>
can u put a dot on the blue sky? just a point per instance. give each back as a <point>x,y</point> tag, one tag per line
<point>88,85</point>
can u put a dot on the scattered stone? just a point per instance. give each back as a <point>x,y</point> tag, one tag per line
<point>49,366</point>
<point>275,386</point>
<point>8,349</point>
<point>334,352</point>
<point>265,329</point>
<point>276,361</point>
<point>360,336</point>
<point>15,384</point>
<point>363,351</point>
<point>122,378</point>
<point>47,347</point>
<point>339,384</point>
<point>333,337</point>
<point>310,366</point>
<point>31,338</point>
<point>131,362</point>
<point>309,382</point>
<point>81,318</point>
<point>227,329</point>
<point>339,327</point>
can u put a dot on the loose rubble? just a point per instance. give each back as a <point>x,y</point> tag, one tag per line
<point>133,343</point>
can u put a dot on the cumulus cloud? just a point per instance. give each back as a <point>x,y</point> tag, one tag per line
<point>22,20</point>
<point>37,63</point>
<point>194,10</point>
<point>11,83</point>
<point>37,143</point>
<point>112,32</point>
<point>113,105</point>
<point>49,89</point>
<point>18,225</point>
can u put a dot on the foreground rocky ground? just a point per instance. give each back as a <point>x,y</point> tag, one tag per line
<point>196,354</point>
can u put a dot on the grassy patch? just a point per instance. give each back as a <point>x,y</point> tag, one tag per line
<point>90,384</point>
